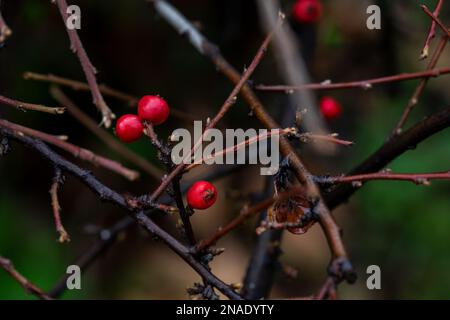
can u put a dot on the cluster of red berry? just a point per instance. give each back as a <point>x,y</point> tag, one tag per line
<point>155,110</point>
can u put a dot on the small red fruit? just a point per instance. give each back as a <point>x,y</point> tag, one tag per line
<point>330,108</point>
<point>129,128</point>
<point>307,11</point>
<point>201,195</point>
<point>153,109</point>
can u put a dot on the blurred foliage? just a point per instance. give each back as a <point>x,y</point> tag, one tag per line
<point>401,227</point>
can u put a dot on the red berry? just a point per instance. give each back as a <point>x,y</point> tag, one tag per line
<point>129,128</point>
<point>153,109</point>
<point>307,11</point>
<point>330,108</point>
<point>201,195</point>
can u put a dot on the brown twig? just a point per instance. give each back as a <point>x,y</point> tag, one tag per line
<point>76,151</point>
<point>104,89</point>
<point>58,180</point>
<point>431,31</point>
<point>88,69</point>
<point>362,84</point>
<point>417,178</point>
<point>414,100</point>
<point>246,143</point>
<point>436,20</point>
<point>103,135</point>
<point>29,106</point>
<point>24,282</point>
<point>80,86</point>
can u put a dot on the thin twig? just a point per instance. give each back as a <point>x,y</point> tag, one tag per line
<point>104,89</point>
<point>88,69</point>
<point>105,136</point>
<point>30,106</point>
<point>436,20</point>
<point>58,180</point>
<point>261,137</point>
<point>76,151</point>
<point>431,31</point>
<point>360,84</point>
<point>414,100</point>
<point>416,178</point>
<point>24,282</point>
<point>81,86</point>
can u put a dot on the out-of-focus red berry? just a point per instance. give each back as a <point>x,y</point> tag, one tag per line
<point>307,11</point>
<point>330,108</point>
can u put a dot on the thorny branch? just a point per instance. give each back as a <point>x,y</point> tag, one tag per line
<point>88,69</point>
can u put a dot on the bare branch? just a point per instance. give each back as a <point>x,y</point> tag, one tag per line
<point>414,100</point>
<point>24,282</point>
<point>76,151</point>
<point>432,31</point>
<point>58,180</point>
<point>88,68</point>
<point>436,20</point>
<point>362,84</point>
<point>104,89</point>
<point>29,106</point>
<point>416,178</point>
